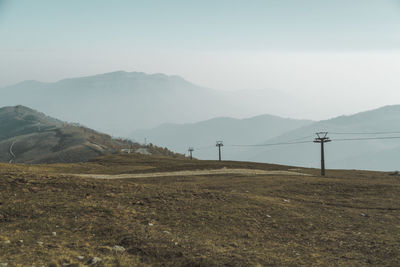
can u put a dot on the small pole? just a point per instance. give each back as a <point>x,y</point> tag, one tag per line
<point>322,138</point>
<point>219,144</point>
<point>191,149</point>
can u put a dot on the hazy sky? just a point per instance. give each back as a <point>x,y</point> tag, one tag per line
<point>343,49</point>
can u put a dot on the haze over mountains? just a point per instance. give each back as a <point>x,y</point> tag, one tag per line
<point>202,135</point>
<point>349,154</point>
<point>170,111</point>
<point>379,154</point>
<point>120,102</point>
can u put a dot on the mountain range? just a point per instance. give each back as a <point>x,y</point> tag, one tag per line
<point>203,135</point>
<point>366,140</point>
<point>254,139</point>
<point>170,111</point>
<point>120,102</point>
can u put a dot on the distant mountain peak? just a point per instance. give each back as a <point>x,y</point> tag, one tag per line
<point>18,109</point>
<point>127,76</point>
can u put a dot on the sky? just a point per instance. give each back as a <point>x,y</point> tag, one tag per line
<point>344,52</point>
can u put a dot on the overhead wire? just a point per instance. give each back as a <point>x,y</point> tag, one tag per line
<point>301,138</point>
<point>273,144</point>
<point>367,138</point>
<point>201,148</point>
<point>293,142</point>
<point>305,142</point>
<point>365,133</point>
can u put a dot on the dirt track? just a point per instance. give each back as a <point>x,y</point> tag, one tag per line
<point>191,173</point>
<point>12,153</point>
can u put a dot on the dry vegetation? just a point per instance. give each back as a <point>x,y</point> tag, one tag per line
<point>28,136</point>
<point>48,217</point>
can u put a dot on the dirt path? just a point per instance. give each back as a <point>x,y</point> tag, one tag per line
<point>12,153</point>
<point>190,173</point>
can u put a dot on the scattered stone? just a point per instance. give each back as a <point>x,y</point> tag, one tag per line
<point>80,257</point>
<point>20,241</point>
<point>40,243</point>
<point>105,249</point>
<point>167,232</point>
<point>118,248</point>
<point>150,224</point>
<point>53,233</point>
<point>269,216</point>
<point>363,214</point>
<point>94,260</point>
<point>286,200</point>
<point>71,264</point>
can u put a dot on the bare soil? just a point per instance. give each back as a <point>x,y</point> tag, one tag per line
<point>50,217</point>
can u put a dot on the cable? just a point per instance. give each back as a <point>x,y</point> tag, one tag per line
<point>300,138</point>
<point>201,148</point>
<point>367,138</point>
<point>367,133</point>
<point>274,144</point>
<point>306,142</point>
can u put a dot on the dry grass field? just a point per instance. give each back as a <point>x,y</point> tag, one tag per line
<point>50,217</point>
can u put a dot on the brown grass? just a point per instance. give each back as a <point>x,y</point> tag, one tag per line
<point>349,218</point>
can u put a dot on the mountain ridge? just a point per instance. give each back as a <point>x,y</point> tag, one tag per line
<point>340,153</point>
<point>179,137</point>
<point>29,136</point>
<point>114,102</point>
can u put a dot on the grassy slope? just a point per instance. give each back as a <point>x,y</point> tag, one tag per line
<point>347,218</point>
<point>37,138</point>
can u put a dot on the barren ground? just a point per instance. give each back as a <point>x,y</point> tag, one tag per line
<point>268,216</point>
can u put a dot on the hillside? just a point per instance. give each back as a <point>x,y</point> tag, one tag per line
<point>351,154</point>
<point>178,137</point>
<point>28,136</point>
<point>66,215</point>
